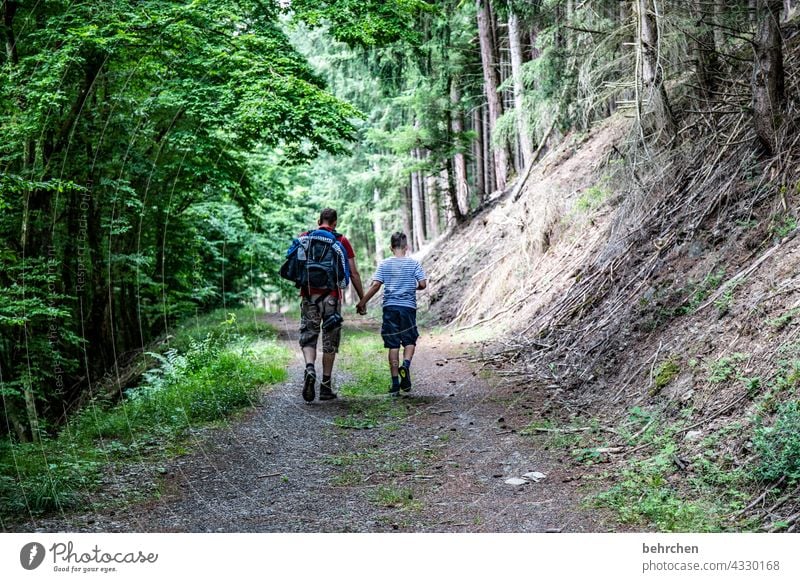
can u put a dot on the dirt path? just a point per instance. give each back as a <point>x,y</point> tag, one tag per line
<point>287,467</point>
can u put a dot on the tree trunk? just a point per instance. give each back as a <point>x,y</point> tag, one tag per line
<point>789,9</point>
<point>488,62</point>
<point>405,212</point>
<point>768,76</point>
<point>376,223</point>
<point>9,10</point>
<point>719,33</point>
<point>477,147</point>
<point>432,207</point>
<point>705,51</point>
<point>654,98</point>
<point>488,159</point>
<point>523,130</point>
<point>449,200</point>
<point>417,212</point>
<point>459,160</point>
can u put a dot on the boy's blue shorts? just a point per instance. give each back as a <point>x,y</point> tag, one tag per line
<point>399,326</point>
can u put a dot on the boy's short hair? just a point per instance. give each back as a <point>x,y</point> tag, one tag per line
<point>328,216</point>
<point>399,240</point>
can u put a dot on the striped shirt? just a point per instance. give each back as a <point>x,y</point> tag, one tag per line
<point>399,276</point>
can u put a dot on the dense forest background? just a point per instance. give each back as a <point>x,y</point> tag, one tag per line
<point>157,156</point>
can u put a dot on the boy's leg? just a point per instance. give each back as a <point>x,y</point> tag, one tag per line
<point>408,354</point>
<point>390,331</point>
<point>394,365</point>
<point>408,338</point>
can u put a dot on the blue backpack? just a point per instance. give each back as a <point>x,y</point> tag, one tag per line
<point>317,260</point>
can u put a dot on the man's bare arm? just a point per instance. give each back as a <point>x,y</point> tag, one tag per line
<point>355,276</point>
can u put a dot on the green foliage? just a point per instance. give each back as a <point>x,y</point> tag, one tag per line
<point>647,492</point>
<point>211,380</point>
<point>665,373</point>
<point>368,402</point>
<point>700,291</point>
<point>142,176</point>
<point>780,322</point>
<point>591,198</point>
<point>364,22</point>
<point>725,368</point>
<point>782,225</point>
<point>392,496</point>
<point>778,445</point>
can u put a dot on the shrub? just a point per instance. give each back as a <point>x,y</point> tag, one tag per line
<point>779,444</point>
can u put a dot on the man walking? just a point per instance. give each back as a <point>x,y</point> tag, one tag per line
<point>317,306</point>
<point>402,277</point>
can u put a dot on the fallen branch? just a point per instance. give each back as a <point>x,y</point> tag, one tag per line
<point>745,272</point>
<point>521,182</point>
<point>758,499</point>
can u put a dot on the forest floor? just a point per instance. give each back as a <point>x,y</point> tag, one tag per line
<point>435,460</point>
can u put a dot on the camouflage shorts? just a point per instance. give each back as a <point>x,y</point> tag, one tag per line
<point>312,314</point>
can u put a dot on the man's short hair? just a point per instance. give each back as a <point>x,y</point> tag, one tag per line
<point>399,240</point>
<point>328,216</point>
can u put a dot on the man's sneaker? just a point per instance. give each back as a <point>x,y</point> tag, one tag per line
<point>405,378</point>
<point>325,392</point>
<point>394,391</point>
<point>309,380</point>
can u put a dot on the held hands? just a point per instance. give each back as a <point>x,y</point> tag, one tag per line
<point>361,308</point>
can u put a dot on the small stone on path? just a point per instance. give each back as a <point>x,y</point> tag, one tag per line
<point>534,476</point>
<point>515,481</point>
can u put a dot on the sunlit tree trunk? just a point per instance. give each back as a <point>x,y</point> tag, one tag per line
<point>417,216</point>
<point>405,212</point>
<point>377,225</point>
<point>488,159</point>
<point>515,45</point>
<point>789,9</point>
<point>432,206</point>
<point>477,155</point>
<point>485,28</point>
<point>459,160</point>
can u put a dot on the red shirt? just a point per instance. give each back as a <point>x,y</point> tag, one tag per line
<point>350,255</point>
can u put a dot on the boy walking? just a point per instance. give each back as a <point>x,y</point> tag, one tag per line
<point>402,276</point>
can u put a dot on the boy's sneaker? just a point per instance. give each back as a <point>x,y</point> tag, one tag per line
<point>405,378</point>
<point>325,392</point>
<point>309,379</point>
<point>394,391</point>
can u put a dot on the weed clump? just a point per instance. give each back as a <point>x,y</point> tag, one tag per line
<point>779,445</point>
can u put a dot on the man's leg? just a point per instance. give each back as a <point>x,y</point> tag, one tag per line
<point>327,363</point>
<point>310,321</point>
<point>330,345</point>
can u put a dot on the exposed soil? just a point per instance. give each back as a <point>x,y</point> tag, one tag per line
<point>286,467</point>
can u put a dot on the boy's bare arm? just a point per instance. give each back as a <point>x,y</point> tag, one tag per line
<point>422,284</point>
<point>362,305</point>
